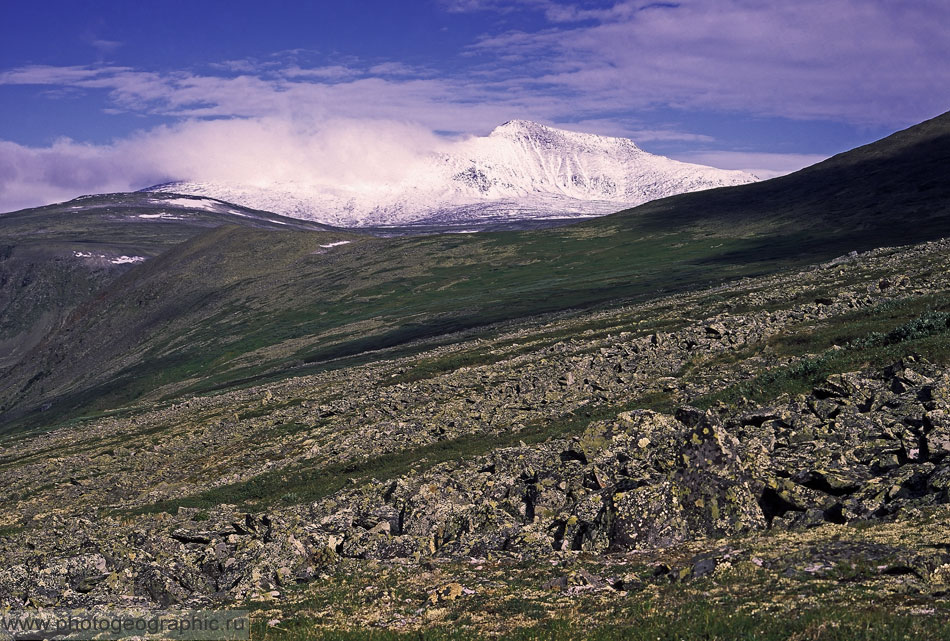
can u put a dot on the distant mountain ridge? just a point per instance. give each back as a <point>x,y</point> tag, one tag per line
<point>522,170</point>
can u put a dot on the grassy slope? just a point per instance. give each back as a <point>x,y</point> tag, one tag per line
<point>237,303</point>
<point>42,281</point>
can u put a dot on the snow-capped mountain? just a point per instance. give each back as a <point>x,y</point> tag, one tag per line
<point>521,171</point>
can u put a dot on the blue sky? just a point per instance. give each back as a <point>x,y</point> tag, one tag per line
<point>98,96</point>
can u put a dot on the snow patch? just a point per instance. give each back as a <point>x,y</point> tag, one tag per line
<point>190,203</point>
<point>115,260</point>
<point>162,215</point>
<point>336,244</point>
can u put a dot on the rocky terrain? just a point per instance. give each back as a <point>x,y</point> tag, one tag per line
<point>763,442</point>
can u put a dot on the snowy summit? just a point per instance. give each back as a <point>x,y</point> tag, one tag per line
<point>522,170</point>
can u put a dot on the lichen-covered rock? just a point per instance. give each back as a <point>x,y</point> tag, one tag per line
<point>650,516</point>
<point>937,434</point>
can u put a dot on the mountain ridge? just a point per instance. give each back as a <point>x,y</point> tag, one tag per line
<point>521,170</point>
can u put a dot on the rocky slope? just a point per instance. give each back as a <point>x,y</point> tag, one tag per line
<point>522,170</point>
<point>648,429</point>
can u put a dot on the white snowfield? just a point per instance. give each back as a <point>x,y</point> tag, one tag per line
<point>522,170</point>
<point>161,215</point>
<point>183,207</point>
<point>191,203</point>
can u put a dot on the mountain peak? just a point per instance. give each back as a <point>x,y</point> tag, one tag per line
<point>520,126</point>
<point>552,136</point>
<point>522,170</point>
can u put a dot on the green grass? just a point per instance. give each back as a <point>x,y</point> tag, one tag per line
<point>220,297</point>
<point>698,620</point>
<point>866,339</point>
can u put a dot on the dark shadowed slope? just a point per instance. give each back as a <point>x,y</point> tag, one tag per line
<point>898,185</point>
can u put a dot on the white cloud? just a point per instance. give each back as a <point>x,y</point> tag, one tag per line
<point>292,92</point>
<point>329,72</point>
<point>857,61</point>
<point>37,176</point>
<point>630,128</point>
<point>247,151</point>
<point>552,10</point>
<point>104,46</point>
<point>262,151</point>
<point>397,69</point>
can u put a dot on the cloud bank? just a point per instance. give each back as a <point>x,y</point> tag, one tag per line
<point>253,151</point>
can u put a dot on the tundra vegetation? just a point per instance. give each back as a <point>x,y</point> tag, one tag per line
<point>721,415</point>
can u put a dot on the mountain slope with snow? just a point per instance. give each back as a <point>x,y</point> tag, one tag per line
<point>521,171</point>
